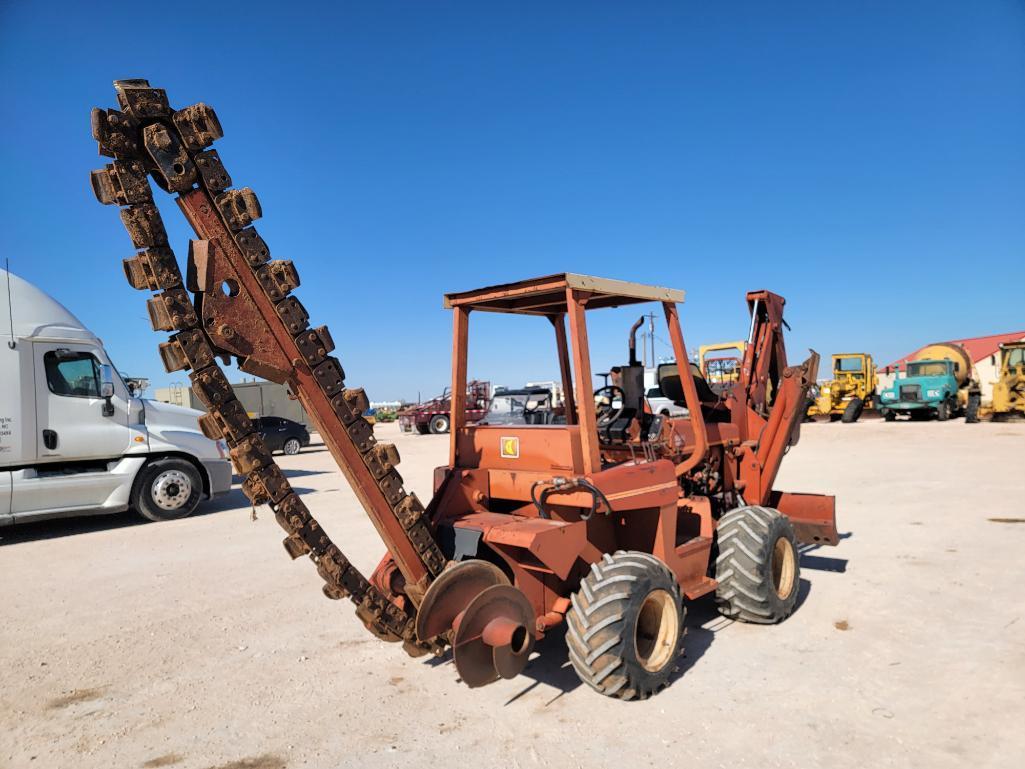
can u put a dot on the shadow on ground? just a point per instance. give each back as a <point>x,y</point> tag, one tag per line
<point>86,524</point>
<point>551,666</point>
<point>821,562</point>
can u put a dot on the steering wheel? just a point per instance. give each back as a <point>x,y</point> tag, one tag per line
<point>537,405</point>
<point>604,397</point>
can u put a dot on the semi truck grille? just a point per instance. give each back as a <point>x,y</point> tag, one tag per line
<point>911,393</point>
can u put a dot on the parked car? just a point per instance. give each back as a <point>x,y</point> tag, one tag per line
<point>282,434</point>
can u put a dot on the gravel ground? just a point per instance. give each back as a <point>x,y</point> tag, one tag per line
<point>198,644</point>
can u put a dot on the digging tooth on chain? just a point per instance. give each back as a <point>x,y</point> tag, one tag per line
<point>198,126</point>
<point>146,137</point>
<point>153,269</point>
<point>253,246</point>
<point>240,208</point>
<point>172,310</point>
<point>292,314</point>
<point>144,225</point>
<point>211,171</point>
<point>278,278</point>
<point>123,182</point>
<point>115,133</point>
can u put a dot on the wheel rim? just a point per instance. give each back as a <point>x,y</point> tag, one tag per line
<point>440,424</point>
<point>171,490</point>
<point>657,630</point>
<point>291,446</point>
<point>784,563</point>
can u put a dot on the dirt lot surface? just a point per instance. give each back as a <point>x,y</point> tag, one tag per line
<point>199,644</point>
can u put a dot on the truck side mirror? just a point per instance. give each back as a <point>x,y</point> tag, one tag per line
<point>107,389</point>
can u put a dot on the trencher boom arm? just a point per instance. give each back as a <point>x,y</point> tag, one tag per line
<point>243,307</point>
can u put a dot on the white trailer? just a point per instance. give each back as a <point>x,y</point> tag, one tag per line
<point>74,440</point>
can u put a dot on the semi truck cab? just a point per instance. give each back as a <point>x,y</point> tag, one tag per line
<point>75,440</point>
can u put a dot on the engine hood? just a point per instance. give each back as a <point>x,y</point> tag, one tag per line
<point>169,415</point>
<point>174,428</point>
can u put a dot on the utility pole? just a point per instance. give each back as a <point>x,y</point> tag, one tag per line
<point>651,336</point>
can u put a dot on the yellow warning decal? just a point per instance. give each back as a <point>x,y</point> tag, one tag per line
<point>510,448</point>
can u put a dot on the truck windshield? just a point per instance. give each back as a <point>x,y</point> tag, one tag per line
<point>929,368</point>
<point>848,365</point>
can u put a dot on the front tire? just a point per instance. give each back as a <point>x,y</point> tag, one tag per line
<point>758,568</point>
<point>292,447</point>
<point>625,628</point>
<point>167,489</point>
<point>853,411</point>
<point>439,424</point>
<point>943,411</point>
<point>889,416</point>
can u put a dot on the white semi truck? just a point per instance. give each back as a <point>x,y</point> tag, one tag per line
<point>74,439</point>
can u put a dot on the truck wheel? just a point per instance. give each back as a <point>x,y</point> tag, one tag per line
<point>625,628</point>
<point>167,489</point>
<point>971,411</point>
<point>942,411</point>
<point>889,416</point>
<point>758,568</point>
<point>292,446</point>
<point>853,411</point>
<point>439,424</point>
<point>423,429</point>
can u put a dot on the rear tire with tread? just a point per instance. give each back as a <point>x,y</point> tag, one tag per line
<point>625,628</point>
<point>971,411</point>
<point>758,568</point>
<point>853,411</point>
<point>439,424</point>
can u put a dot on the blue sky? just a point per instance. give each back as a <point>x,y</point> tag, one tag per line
<point>865,160</point>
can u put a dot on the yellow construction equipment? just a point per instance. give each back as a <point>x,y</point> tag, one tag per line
<point>723,371</point>
<point>1009,390</point>
<point>850,391</point>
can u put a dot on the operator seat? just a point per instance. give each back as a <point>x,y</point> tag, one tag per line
<point>712,408</point>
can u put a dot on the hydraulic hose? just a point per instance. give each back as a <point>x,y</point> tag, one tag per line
<point>560,484</point>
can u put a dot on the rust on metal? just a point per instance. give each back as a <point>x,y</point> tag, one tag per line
<point>525,515</point>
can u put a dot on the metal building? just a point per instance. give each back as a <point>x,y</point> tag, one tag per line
<point>260,399</point>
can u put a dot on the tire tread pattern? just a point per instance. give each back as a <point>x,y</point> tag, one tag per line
<point>747,536</point>
<point>600,624</point>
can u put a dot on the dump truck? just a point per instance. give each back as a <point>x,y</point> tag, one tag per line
<point>937,381</point>
<point>1009,389</point>
<point>606,525</point>
<point>851,390</point>
<point>435,415</point>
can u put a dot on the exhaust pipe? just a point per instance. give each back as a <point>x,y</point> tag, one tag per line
<point>633,340</point>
